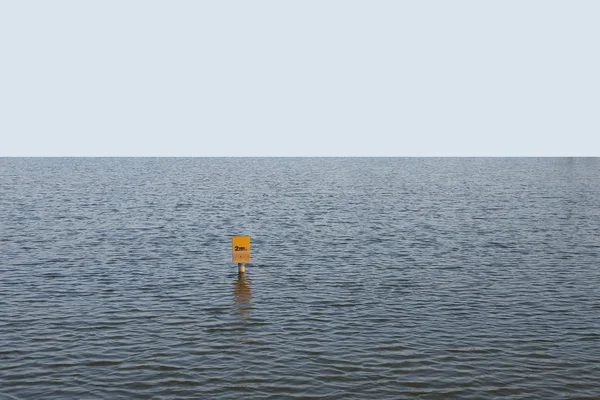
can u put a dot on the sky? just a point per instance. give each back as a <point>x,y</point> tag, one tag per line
<point>300,78</point>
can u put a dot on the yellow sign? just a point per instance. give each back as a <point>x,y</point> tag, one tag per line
<point>240,249</point>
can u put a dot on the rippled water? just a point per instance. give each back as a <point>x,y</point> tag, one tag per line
<point>371,278</point>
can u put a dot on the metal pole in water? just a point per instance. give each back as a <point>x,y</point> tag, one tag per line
<point>241,268</point>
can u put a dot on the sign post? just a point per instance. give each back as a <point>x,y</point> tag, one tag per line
<point>240,251</point>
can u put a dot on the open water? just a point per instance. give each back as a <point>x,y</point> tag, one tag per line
<point>383,278</point>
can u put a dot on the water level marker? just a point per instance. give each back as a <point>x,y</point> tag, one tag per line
<point>240,251</point>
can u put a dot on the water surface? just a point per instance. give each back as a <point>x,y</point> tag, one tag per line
<point>371,278</point>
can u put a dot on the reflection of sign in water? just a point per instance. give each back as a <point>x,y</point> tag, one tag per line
<point>242,293</point>
<point>240,249</point>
